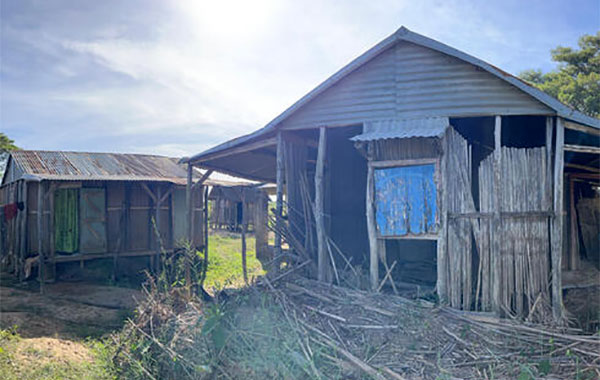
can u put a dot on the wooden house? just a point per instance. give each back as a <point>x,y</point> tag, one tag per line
<point>73,206</point>
<point>418,154</point>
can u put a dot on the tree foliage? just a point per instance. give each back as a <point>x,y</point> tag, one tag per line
<point>6,144</point>
<point>576,82</point>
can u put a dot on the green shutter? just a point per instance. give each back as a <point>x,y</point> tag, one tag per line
<point>66,220</point>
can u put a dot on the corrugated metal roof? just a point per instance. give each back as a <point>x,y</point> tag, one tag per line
<point>406,128</point>
<point>403,34</point>
<point>77,166</point>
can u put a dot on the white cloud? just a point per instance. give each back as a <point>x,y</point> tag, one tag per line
<point>190,74</point>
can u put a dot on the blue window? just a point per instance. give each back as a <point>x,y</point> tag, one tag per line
<point>405,200</point>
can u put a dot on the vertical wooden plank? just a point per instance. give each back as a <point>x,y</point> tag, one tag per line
<point>40,213</point>
<point>573,239</point>
<point>442,252</point>
<point>244,225</point>
<point>24,239</point>
<point>260,226</point>
<point>548,184</point>
<point>371,229</point>
<point>558,224</point>
<point>52,250</point>
<point>496,258</point>
<point>322,258</point>
<point>159,201</point>
<point>279,194</point>
<point>189,219</point>
<point>189,214</point>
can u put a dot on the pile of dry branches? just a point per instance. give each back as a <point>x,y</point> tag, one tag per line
<point>292,327</point>
<point>386,336</point>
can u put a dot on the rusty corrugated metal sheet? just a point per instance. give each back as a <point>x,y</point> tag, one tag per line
<point>77,166</point>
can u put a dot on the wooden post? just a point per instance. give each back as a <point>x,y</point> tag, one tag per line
<point>279,194</point>
<point>496,258</point>
<point>322,258</point>
<point>189,227</point>
<point>52,248</point>
<point>371,228</point>
<point>244,224</point>
<point>40,233</point>
<point>158,203</point>
<point>558,224</point>
<point>24,235</point>
<point>260,226</point>
<point>442,251</point>
<point>573,241</point>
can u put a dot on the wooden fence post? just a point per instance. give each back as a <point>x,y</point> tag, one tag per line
<point>442,250</point>
<point>496,255</point>
<point>322,258</point>
<point>279,194</point>
<point>558,223</point>
<point>371,229</point>
<point>40,235</point>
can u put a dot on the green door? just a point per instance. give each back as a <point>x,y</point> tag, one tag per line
<point>66,221</point>
<point>92,207</point>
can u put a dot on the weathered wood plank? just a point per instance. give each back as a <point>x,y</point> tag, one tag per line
<point>40,235</point>
<point>279,194</point>
<point>581,148</point>
<point>322,258</point>
<point>442,242</point>
<point>496,260</point>
<point>558,224</point>
<point>371,229</point>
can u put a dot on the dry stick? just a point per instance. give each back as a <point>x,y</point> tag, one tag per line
<point>279,277</point>
<point>337,277</point>
<point>333,316</point>
<point>356,361</point>
<point>388,275</point>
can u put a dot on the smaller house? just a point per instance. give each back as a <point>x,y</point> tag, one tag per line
<point>238,207</point>
<point>74,206</point>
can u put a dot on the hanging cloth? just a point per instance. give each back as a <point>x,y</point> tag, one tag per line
<point>66,220</point>
<point>10,211</point>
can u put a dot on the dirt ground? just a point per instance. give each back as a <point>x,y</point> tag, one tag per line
<point>66,309</point>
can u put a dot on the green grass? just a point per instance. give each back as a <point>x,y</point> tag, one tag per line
<point>225,260</point>
<point>26,359</point>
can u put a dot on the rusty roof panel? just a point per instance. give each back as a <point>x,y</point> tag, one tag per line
<point>57,165</point>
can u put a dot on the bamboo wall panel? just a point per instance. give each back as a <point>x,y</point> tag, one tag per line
<point>524,248</point>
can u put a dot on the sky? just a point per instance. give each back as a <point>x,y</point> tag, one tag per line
<point>178,77</point>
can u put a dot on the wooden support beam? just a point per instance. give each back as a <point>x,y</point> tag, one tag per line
<point>149,192</point>
<point>558,223</point>
<point>279,194</point>
<point>244,224</point>
<point>574,236</point>
<point>189,226</point>
<point>24,242</point>
<point>371,228</point>
<point>260,227</point>
<point>583,167</point>
<point>40,235</point>
<point>582,148</point>
<point>581,128</point>
<point>442,242</point>
<point>203,178</point>
<point>240,149</point>
<point>322,257</point>
<point>496,258</point>
<point>159,200</point>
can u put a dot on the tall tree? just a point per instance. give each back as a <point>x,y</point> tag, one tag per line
<point>576,82</point>
<point>6,144</point>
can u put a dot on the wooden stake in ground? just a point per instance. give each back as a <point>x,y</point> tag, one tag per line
<point>322,261</point>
